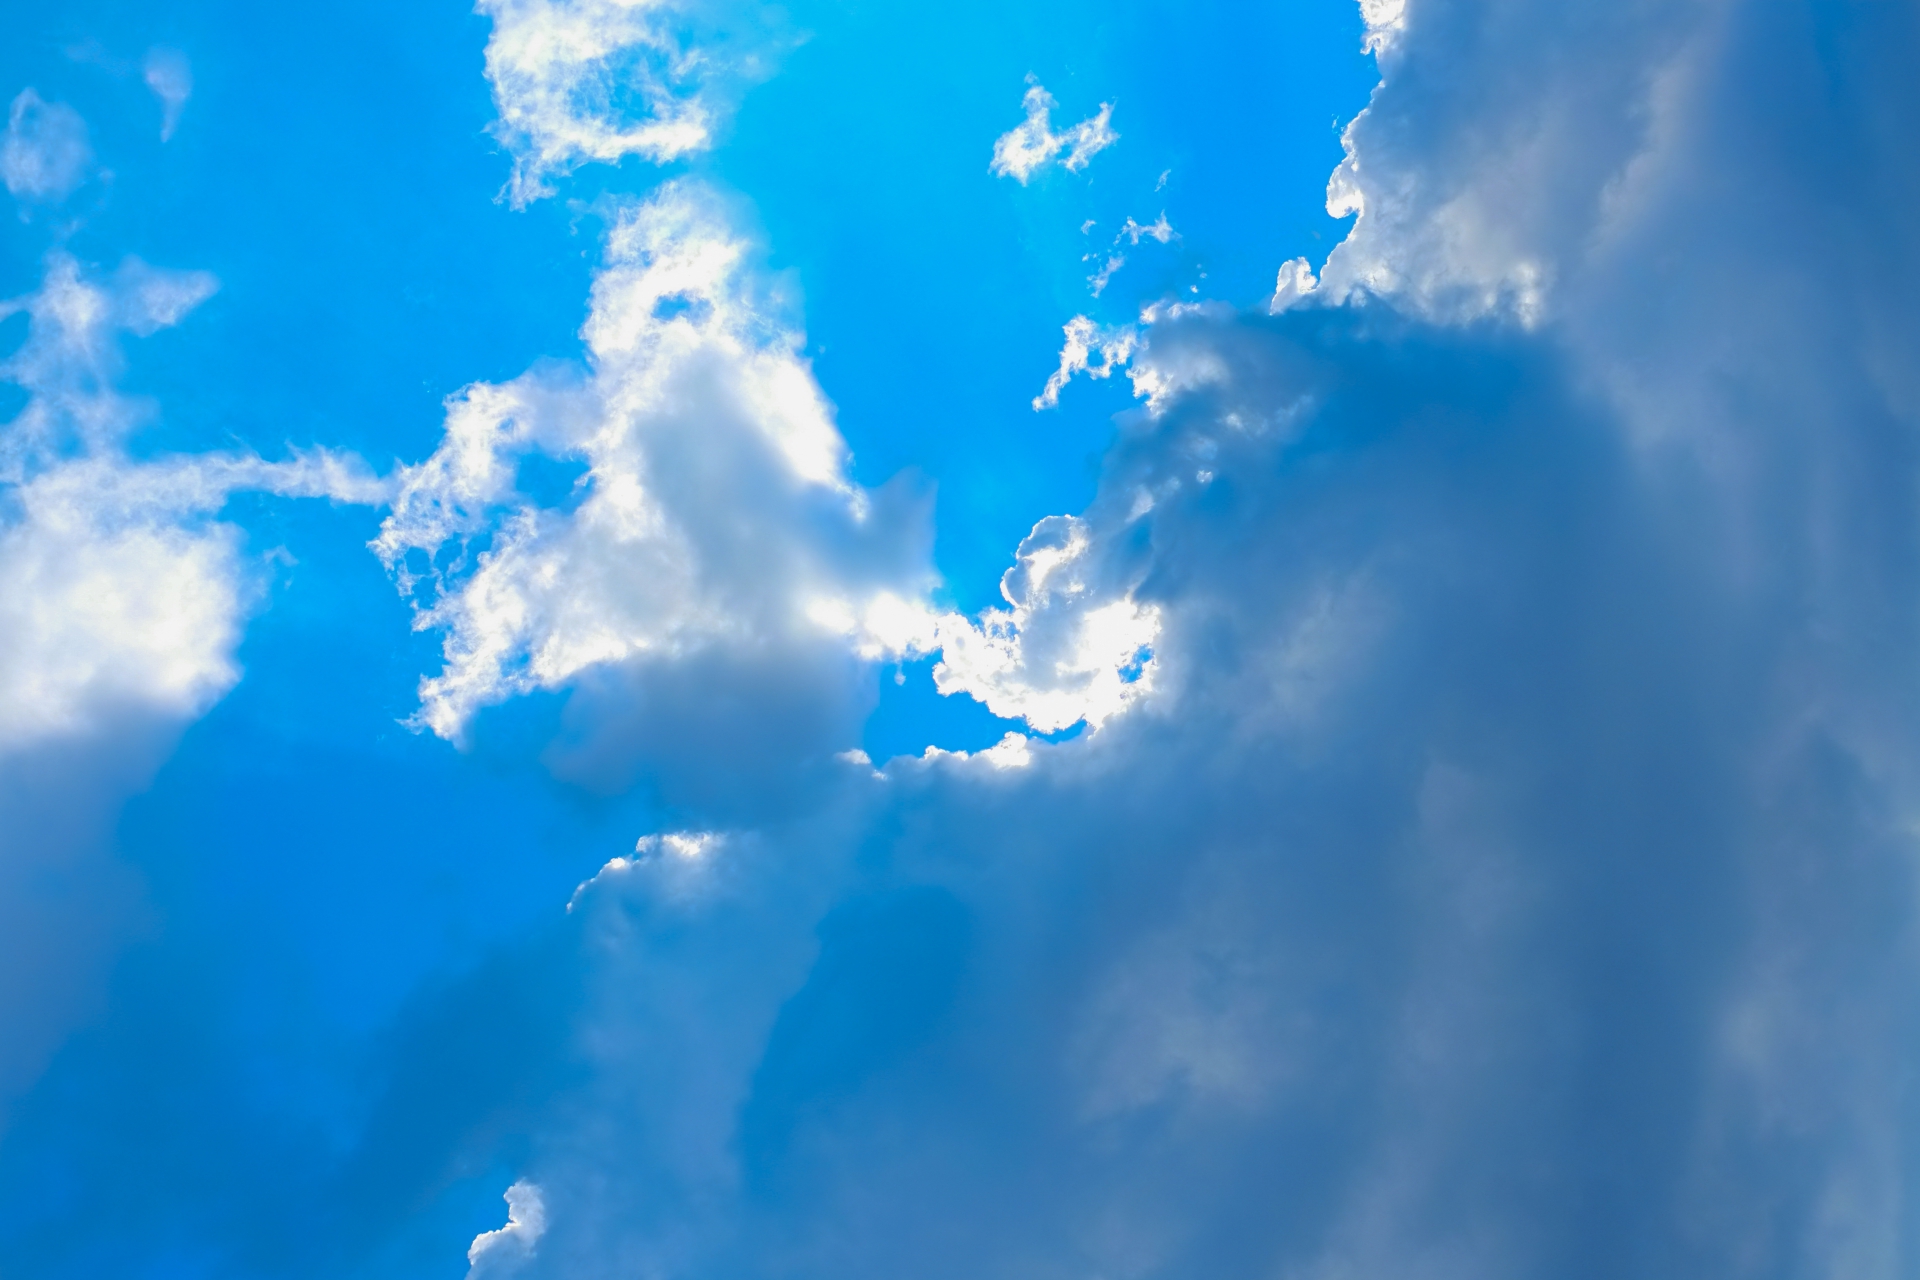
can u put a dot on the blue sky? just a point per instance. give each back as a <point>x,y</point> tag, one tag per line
<point>1044,640</point>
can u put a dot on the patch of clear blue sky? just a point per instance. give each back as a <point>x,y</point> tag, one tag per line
<point>309,862</point>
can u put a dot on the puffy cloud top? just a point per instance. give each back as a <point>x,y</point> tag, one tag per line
<point>697,495</point>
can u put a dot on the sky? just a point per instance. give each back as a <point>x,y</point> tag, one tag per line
<point>1057,641</point>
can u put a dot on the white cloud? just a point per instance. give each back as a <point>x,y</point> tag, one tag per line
<point>1159,229</point>
<point>1497,205</point>
<point>1293,283</point>
<point>1097,282</point>
<point>712,508</point>
<point>595,80</point>
<point>105,608</point>
<point>1099,350</point>
<point>1032,145</point>
<point>1070,647</point>
<point>1133,232</point>
<point>45,154</point>
<point>170,76</point>
<point>695,409</point>
<point>677,865</point>
<point>709,516</point>
<point>1089,348</point>
<point>119,591</point>
<point>502,1251</point>
<point>1385,20</point>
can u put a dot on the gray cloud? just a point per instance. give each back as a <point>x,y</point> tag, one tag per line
<point>1509,871</point>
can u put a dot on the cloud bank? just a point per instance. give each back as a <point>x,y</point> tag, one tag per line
<point>1490,851</point>
<point>1507,868</point>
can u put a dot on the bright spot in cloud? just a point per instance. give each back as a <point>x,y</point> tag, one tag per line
<point>1070,647</point>
<point>502,1251</point>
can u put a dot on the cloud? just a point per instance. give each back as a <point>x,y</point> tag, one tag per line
<point>168,73</point>
<point>1085,340</point>
<point>121,591</point>
<point>1351,916</point>
<point>45,154</point>
<point>702,534</point>
<point>576,81</point>
<point>1293,283</point>
<point>1032,145</point>
<point>1497,206</point>
<point>115,606</point>
<point>1132,233</point>
<point>1071,648</point>
<point>500,1252</point>
<point>1495,854</point>
<point>122,602</point>
<point>707,507</point>
<point>1507,869</point>
<point>1384,21</point>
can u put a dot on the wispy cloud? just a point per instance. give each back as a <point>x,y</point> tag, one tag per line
<point>120,589</point>
<point>1032,145</point>
<point>576,81</point>
<point>45,154</point>
<point>168,73</point>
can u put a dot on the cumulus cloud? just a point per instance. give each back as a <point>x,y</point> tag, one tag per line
<point>1507,869</point>
<point>703,518</point>
<point>576,81</point>
<point>708,506</point>
<point>501,1252</point>
<point>1384,21</point>
<point>115,606</point>
<point>1071,647</point>
<point>45,154</point>
<point>1293,283</point>
<point>1501,216</point>
<point>1358,911</point>
<point>1032,145</point>
<point>168,73</point>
